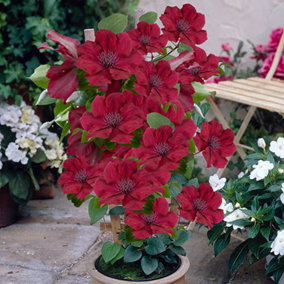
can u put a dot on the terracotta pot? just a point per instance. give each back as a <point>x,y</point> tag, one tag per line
<point>46,191</point>
<point>8,208</point>
<point>177,277</point>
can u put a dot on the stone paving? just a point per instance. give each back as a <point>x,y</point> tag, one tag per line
<point>52,243</point>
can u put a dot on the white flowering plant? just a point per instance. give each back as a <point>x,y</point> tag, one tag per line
<point>25,145</point>
<point>253,205</point>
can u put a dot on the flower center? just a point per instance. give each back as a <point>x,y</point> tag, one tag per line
<point>199,204</point>
<point>155,81</point>
<point>214,143</point>
<point>194,70</point>
<point>107,59</point>
<point>112,119</point>
<point>182,25</point>
<point>125,185</point>
<point>162,149</point>
<point>81,176</point>
<point>144,39</point>
<point>150,219</point>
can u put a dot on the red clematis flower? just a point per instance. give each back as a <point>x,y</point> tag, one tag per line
<point>75,147</point>
<point>78,177</point>
<point>147,38</point>
<point>157,81</point>
<point>199,68</point>
<point>216,143</point>
<point>184,24</point>
<point>110,57</point>
<point>63,79</point>
<point>114,117</point>
<point>122,182</point>
<point>162,148</point>
<point>175,114</point>
<point>186,96</point>
<point>161,221</point>
<point>201,204</point>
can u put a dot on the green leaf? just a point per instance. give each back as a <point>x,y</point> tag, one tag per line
<point>183,47</point>
<point>132,254</point>
<point>137,244</point>
<point>253,231</point>
<point>150,17</point>
<point>117,210</point>
<point>39,76</point>
<point>77,202</point>
<point>155,120</point>
<point>149,264</point>
<point>200,92</point>
<point>182,237</point>
<point>119,256</point>
<point>116,23</point>
<point>193,182</point>
<point>265,232</point>
<point>154,246</point>
<point>189,167</point>
<point>238,256</point>
<point>177,250</point>
<point>4,178</point>
<point>33,178</point>
<point>221,243</point>
<point>95,211</point>
<point>39,157</point>
<point>19,185</point>
<point>110,251</point>
<point>215,232</point>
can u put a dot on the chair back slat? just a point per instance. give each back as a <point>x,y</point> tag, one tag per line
<point>276,59</point>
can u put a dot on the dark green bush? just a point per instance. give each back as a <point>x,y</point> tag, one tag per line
<point>24,24</point>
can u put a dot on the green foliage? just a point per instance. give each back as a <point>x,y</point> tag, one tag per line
<point>154,246</point>
<point>117,210</point>
<point>24,26</point>
<point>116,23</point>
<point>149,264</point>
<point>150,17</point>
<point>132,254</point>
<point>96,212</point>
<point>39,76</point>
<point>155,120</point>
<point>19,185</point>
<point>110,251</point>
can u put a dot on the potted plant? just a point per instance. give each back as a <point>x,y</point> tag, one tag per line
<point>131,103</point>
<point>253,205</point>
<point>23,148</point>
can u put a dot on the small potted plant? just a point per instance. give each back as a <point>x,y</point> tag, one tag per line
<point>130,103</point>
<point>23,148</point>
<point>253,206</point>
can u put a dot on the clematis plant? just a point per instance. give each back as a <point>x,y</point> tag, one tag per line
<point>126,101</point>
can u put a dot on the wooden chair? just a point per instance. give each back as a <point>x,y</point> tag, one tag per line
<point>266,93</point>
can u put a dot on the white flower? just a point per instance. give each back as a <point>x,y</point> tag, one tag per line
<point>261,143</point>
<point>226,207</point>
<point>282,194</point>
<point>241,174</point>
<point>217,183</point>
<point>280,171</point>
<point>277,147</point>
<point>50,154</point>
<point>277,246</point>
<point>29,142</point>
<point>14,154</point>
<point>1,164</point>
<point>261,170</point>
<point>235,215</point>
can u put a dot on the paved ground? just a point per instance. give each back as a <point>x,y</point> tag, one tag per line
<point>53,242</point>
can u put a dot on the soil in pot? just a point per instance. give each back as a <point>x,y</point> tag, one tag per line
<point>8,208</point>
<point>132,271</point>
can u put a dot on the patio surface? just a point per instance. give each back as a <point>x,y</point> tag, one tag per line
<point>52,243</point>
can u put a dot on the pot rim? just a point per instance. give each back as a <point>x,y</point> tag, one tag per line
<point>184,266</point>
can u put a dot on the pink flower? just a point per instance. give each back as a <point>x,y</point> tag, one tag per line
<point>275,37</point>
<point>226,46</point>
<point>279,73</point>
<point>110,57</point>
<point>63,78</point>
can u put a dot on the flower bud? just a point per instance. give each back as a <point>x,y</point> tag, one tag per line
<point>280,171</point>
<point>252,219</point>
<point>261,143</point>
<point>238,205</point>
